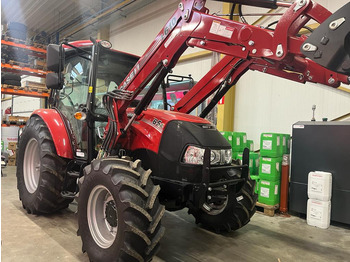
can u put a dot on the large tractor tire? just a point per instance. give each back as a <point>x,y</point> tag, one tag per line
<point>119,213</point>
<point>231,214</point>
<point>40,171</point>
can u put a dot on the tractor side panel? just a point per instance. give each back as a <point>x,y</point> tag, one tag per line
<point>58,131</point>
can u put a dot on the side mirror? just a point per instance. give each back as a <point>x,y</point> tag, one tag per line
<point>53,81</point>
<point>55,58</point>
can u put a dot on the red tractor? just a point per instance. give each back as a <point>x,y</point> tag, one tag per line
<point>126,163</point>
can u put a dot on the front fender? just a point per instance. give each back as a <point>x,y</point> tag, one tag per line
<point>58,131</point>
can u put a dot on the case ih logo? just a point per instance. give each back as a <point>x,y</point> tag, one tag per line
<point>131,76</point>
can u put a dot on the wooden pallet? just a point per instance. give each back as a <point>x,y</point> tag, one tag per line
<point>21,64</point>
<point>37,87</point>
<point>40,67</point>
<point>15,120</point>
<point>267,209</point>
<point>15,40</point>
<point>39,64</point>
<point>13,87</point>
<point>39,90</point>
<point>37,45</point>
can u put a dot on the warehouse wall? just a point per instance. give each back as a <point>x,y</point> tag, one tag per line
<point>263,103</point>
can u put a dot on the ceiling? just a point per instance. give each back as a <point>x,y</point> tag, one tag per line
<point>75,19</point>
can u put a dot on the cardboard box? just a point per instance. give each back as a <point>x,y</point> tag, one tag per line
<point>39,63</point>
<point>11,162</point>
<point>12,146</point>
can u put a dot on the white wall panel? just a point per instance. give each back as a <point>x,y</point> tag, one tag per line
<point>135,33</point>
<point>266,103</point>
<point>196,67</point>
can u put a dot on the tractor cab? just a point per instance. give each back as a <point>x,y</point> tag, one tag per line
<point>85,73</point>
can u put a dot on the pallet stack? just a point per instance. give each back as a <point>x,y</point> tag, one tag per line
<point>272,148</point>
<point>15,120</point>
<point>16,55</point>
<point>35,86</point>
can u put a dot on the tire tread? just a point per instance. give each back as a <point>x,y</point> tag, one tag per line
<point>139,215</point>
<point>47,197</point>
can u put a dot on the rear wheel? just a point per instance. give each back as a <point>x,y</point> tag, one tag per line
<point>40,172</point>
<point>231,213</point>
<point>119,211</point>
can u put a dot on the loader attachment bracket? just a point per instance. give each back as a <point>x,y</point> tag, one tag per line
<point>329,44</point>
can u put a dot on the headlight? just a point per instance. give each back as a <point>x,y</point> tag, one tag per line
<point>195,155</point>
<point>227,156</point>
<point>215,157</point>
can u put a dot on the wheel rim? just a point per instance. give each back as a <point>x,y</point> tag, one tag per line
<point>102,216</point>
<point>31,165</point>
<point>215,208</point>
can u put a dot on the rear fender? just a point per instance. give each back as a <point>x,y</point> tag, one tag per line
<point>57,130</point>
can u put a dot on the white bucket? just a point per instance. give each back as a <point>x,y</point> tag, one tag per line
<point>318,213</point>
<point>9,134</point>
<point>319,185</point>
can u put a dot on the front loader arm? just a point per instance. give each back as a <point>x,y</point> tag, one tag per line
<point>273,52</point>
<point>245,47</point>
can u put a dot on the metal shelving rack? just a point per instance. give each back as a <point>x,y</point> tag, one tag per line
<point>24,70</point>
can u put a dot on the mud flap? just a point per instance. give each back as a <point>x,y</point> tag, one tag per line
<point>329,44</point>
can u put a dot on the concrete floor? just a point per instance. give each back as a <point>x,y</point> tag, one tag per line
<point>53,238</point>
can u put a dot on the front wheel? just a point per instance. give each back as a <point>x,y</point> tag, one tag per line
<point>119,212</point>
<point>230,213</point>
<point>40,171</point>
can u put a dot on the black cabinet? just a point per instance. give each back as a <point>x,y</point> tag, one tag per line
<point>321,146</point>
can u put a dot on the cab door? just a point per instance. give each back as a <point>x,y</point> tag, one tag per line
<point>72,99</point>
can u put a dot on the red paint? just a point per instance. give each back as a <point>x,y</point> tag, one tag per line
<point>58,131</point>
<point>222,101</point>
<point>145,134</point>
